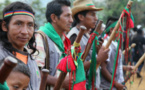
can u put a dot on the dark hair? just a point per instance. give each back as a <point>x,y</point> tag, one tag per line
<point>139,31</point>
<point>110,21</point>
<point>76,19</point>
<point>20,67</point>
<point>3,35</point>
<point>55,7</point>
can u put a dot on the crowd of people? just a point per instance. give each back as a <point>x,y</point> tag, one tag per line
<point>41,47</point>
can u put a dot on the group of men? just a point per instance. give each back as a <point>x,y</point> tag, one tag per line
<point>19,39</point>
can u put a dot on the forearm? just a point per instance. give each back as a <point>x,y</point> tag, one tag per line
<point>51,80</point>
<point>87,65</point>
<point>106,74</point>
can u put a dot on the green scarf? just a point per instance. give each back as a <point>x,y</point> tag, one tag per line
<point>49,30</point>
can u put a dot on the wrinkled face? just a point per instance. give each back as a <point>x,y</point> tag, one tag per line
<point>20,30</point>
<point>90,19</point>
<point>65,20</point>
<point>17,81</point>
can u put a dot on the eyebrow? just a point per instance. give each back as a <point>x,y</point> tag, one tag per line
<point>23,21</point>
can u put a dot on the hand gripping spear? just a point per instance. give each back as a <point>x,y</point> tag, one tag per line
<point>112,36</point>
<point>63,74</point>
<point>6,68</point>
<point>90,41</point>
<point>132,46</point>
<point>136,66</point>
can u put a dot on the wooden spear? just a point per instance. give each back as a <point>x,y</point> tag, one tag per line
<point>112,36</point>
<point>8,65</point>
<point>63,74</point>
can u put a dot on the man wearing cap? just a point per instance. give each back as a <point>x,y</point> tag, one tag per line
<point>84,13</point>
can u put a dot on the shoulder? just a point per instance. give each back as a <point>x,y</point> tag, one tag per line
<point>73,31</point>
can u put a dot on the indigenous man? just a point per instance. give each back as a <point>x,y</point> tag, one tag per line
<point>59,20</point>
<point>16,31</point>
<point>107,66</point>
<point>84,13</point>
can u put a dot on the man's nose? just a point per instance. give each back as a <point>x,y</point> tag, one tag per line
<point>24,29</point>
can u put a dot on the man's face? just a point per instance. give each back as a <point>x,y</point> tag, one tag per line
<point>65,20</point>
<point>90,19</point>
<point>17,81</point>
<point>20,30</point>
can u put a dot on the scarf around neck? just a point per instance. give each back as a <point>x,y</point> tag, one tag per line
<point>49,30</point>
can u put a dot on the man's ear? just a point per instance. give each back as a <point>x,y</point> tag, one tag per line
<point>4,28</point>
<point>81,17</point>
<point>53,17</point>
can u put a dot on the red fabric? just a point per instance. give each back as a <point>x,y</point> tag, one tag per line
<point>68,60</point>
<point>92,36</point>
<point>80,86</point>
<point>105,36</point>
<point>131,23</point>
<point>67,44</point>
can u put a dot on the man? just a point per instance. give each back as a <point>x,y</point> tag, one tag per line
<point>16,31</point>
<point>139,40</point>
<point>84,13</point>
<point>59,20</point>
<point>107,66</point>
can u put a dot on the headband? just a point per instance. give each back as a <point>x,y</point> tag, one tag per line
<point>111,26</point>
<point>18,12</point>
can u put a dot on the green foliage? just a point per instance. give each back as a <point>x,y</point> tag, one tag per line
<point>2,5</point>
<point>39,12</point>
<point>115,8</point>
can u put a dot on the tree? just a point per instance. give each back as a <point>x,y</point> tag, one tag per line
<point>115,7</point>
<point>2,5</point>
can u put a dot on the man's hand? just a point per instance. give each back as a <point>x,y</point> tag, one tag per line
<point>102,54</point>
<point>99,46</point>
<point>119,86</point>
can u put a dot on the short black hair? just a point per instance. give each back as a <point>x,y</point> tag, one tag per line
<point>76,19</point>
<point>3,35</point>
<point>55,7</point>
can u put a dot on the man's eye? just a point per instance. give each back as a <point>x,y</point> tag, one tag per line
<point>16,87</point>
<point>18,23</point>
<point>30,25</point>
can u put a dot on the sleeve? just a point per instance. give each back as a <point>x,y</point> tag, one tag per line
<point>40,56</point>
<point>72,38</point>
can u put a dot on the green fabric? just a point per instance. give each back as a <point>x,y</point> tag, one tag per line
<point>114,64</point>
<point>92,72</point>
<point>96,32</point>
<point>111,26</point>
<point>49,30</point>
<point>90,4</point>
<point>4,86</point>
<point>80,72</point>
<point>127,9</point>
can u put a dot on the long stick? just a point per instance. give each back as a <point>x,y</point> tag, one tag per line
<point>112,36</point>
<point>62,74</point>
<point>44,75</point>
<point>132,46</point>
<point>89,44</point>
<point>8,65</point>
<point>136,66</point>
